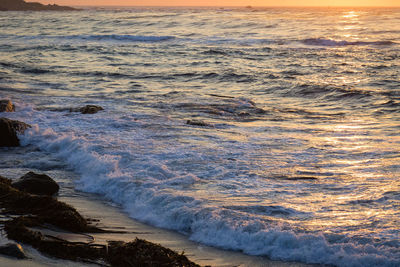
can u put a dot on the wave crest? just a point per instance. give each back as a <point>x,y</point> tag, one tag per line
<point>228,227</point>
<point>330,42</point>
<point>126,38</point>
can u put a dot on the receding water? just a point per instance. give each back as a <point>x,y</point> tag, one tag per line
<point>300,153</point>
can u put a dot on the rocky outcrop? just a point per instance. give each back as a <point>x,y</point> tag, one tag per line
<point>39,184</point>
<point>31,213</point>
<point>13,250</point>
<point>8,132</point>
<point>20,5</point>
<point>45,209</point>
<point>6,106</point>
<point>138,252</point>
<point>90,109</point>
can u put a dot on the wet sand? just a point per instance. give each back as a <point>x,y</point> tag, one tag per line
<point>111,218</point>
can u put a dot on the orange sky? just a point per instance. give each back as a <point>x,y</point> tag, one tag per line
<point>225,2</point>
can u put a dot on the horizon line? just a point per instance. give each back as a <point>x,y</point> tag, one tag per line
<point>243,6</point>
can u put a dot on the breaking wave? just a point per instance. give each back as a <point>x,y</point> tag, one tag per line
<point>253,230</point>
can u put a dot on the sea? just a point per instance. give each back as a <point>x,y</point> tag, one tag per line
<point>270,131</point>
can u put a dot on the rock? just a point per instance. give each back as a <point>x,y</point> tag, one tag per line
<point>20,5</point>
<point>44,212</point>
<point>143,253</point>
<point>38,184</point>
<point>90,109</point>
<point>8,132</point>
<point>13,250</point>
<point>6,106</point>
<point>45,208</point>
<point>4,180</point>
<point>198,123</point>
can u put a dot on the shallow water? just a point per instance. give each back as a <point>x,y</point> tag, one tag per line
<point>299,160</point>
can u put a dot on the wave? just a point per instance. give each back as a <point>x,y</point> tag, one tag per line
<point>25,69</point>
<point>100,37</point>
<point>241,109</point>
<point>210,40</point>
<point>125,38</point>
<point>330,42</point>
<point>238,41</point>
<point>221,40</point>
<point>385,197</point>
<point>331,92</point>
<point>154,200</point>
<point>278,211</point>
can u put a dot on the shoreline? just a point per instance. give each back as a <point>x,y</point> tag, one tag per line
<point>56,229</point>
<point>33,214</point>
<point>111,217</point>
<point>95,207</point>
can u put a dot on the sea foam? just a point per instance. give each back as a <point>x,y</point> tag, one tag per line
<point>154,201</point>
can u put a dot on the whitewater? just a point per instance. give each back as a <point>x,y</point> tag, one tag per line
<point>295,150</point>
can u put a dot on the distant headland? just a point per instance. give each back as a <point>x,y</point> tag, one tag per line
<point>21,5</point>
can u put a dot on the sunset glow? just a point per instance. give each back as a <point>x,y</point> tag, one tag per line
<point>229,132</point>
<point>333,3</point>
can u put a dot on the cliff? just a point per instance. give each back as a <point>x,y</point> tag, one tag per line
<point>20,5</point>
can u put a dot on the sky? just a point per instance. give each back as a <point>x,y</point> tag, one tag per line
<point>224,2</point>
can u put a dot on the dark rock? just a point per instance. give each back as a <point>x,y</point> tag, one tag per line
<point>4,180</point>
<point>259,111</point>
<point>13,250</point>
<point>198,123</point>
<point>20,229</point>
<point>39,184</point>
<point>90,109</point>
<point>297,178</point>
<point>143,253</point>
<point>46,208</point>
<point>6,106</point>
<point>20,5</point>
<point>39,212</point>
<point>8,132</point>
<point>117,253</point>
<point>244,114</point>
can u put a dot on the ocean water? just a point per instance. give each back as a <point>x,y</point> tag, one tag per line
<point>300,153</point>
